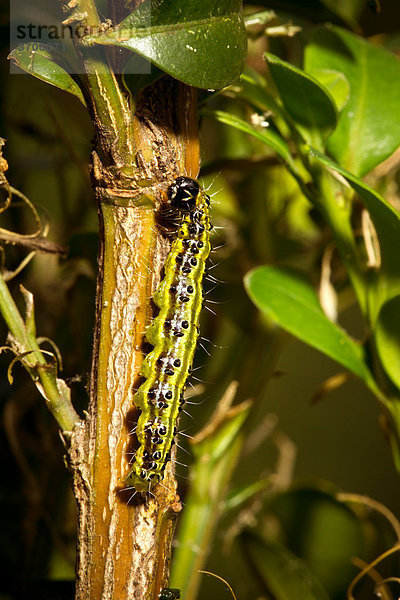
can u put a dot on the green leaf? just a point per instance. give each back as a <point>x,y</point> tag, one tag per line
<point>323,532</point>
<point>288,299</point>
<point>336,84</point>
<point>386,283</point>
<point>266,135</point>
<point>240,495</point>
<point>200,43</point>
<point>43,64</point>
<point>283,573</point>
<point>368,130</point>
<point>307,102</point>
<point>387,338</point>
<point>252,87</point>
<point>215,445</point>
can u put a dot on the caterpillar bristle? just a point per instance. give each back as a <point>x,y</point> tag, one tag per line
<point>196,369</point>
<point>182,448</point>
<point>190,437</point>
<point>176,462</point>
<point>213,279</point>
<point>206,351</point>
<point>214,266</point>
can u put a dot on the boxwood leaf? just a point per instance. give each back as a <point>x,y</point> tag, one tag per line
<point>288,298</point>
<point>284,574</point>
<point>268,136</point>
<point>387,338</point>
<point>307,102</point>
<point>252,87</point>
<point>336,84</point>
<point>200,43</point>
<point>369,128</point>
<point>43,64</point>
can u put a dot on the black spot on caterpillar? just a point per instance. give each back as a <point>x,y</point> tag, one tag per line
<point>173,333</point>
<point>169,594</point>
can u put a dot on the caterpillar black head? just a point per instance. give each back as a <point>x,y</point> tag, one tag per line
<point>183,193</point>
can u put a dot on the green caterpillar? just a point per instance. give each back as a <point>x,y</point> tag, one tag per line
<point>173,333</point>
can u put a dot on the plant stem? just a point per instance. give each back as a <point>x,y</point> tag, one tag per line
<point>12,317</point>
<point>108,103</point>
<point>124,545</point>
<point>54,390</point>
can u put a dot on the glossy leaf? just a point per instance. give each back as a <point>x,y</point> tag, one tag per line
<point>200,43</point>
<point>307,102</point>
<point>386,283</point>
<point>43,65</point>
<point>369,128</point>
<point>336,84</point>
<point>252,87</point>
<point>265,135</point>
<point>387,338</point>
<point>287,298</point>
<point>284,574</point>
